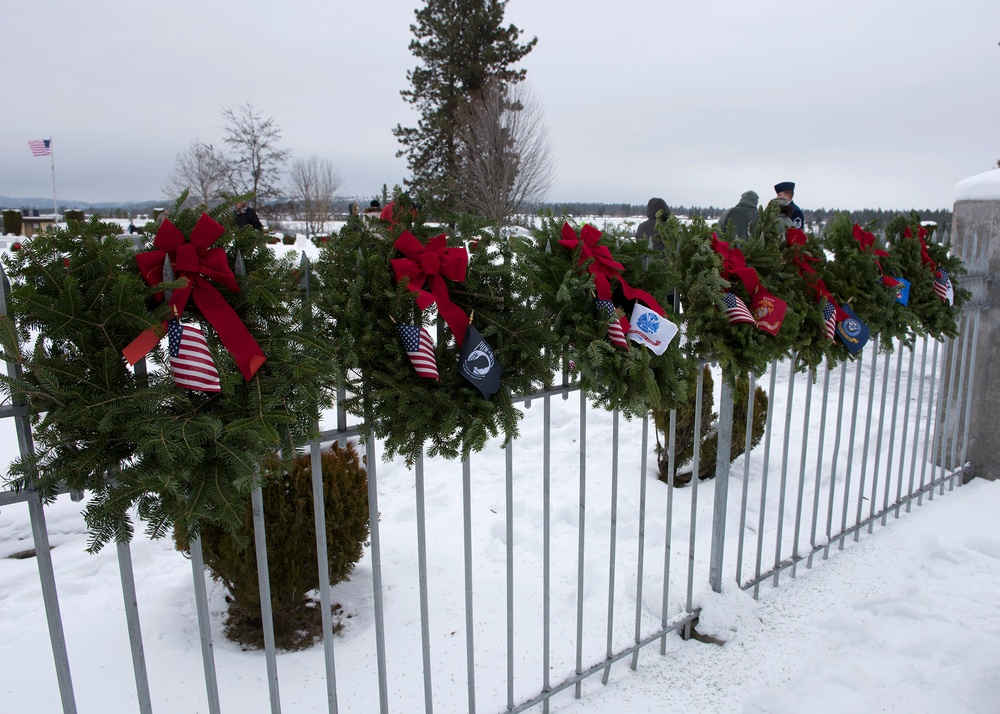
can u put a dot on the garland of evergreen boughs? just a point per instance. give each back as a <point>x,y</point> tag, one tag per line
<point>634,380</point>
<point>737,348</point>
<point>358,299</point>
<point>855,277</point>
<point>135,441</point>
<point>936,317</point>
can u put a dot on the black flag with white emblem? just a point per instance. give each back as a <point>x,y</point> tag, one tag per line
<point>478,364</point>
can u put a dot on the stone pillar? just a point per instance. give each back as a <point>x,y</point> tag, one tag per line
<point>976,240</point>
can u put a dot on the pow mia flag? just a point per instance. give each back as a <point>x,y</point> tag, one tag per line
<point>478,364</point>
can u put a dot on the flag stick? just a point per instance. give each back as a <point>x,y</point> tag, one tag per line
<point>55,204</point>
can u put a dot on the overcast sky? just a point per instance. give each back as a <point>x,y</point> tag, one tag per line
<point>863,103</point>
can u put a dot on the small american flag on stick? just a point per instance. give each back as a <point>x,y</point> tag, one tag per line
<point>420,350</point>
<point>942,286</point>
<point>737,310</point>
<point>615,332</point>
<point>829,320</point>
<point>191,363</point>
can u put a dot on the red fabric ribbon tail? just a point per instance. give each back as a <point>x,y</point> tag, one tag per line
<point>637,294</point>
<point>232,332</point>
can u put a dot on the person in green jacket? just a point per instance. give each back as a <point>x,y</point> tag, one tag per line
<point>742,216</point>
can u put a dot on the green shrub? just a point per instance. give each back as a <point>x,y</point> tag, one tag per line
<point>684,436</point>
<point>291,548</point>
<point>71,214</point>
<point>12,222</point>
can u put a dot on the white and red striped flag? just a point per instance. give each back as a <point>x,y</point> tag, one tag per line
<point>40,147</point>
<point>616,331</point>
<point>191,363</point>
<point>943,287</point>
<point>420,350</point>
<point>829,320</point>
<point>736,309</point>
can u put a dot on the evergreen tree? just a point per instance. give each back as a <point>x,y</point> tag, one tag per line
<point>461,44</point>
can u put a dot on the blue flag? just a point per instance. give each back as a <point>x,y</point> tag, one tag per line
<point>852,331</point>
<point>903,291</point>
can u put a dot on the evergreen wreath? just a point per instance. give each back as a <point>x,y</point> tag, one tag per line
<point>360,299</point>
<point>855,276</point>
<point>136,441</point>
<point>633,380</point>
<point>915,256</point>
<point>739,348</point>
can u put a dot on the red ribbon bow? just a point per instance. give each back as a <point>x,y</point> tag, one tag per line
<point>925,257</point>
<point>866,241</point>
<point>603,265</point>
<point>430,265</point>
<point>796,237</point>
<point>768,310</point>
<point>202,266</point>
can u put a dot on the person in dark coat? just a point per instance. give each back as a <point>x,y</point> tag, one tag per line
<point>246,216</point>
<point>647,229</point>
<point>786,191</point>
<point>742,216</point>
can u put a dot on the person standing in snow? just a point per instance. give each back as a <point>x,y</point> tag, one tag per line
<point>647,229</point>
<point>246,216</point>
<point>785,191</point>
<point>742,216</point>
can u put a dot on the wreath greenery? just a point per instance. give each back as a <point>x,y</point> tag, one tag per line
<point>740,348</point>
<point>359,298</point>
<point>906,238</point>
<point>855,277</point>
<point>634,380</point>
<point>135,441</point>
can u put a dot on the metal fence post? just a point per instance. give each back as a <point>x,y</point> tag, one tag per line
<point>723,453</point>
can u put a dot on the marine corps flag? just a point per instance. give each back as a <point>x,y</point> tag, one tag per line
<point>478,364</point>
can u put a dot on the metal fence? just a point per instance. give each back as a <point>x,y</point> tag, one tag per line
<point>844,449</point>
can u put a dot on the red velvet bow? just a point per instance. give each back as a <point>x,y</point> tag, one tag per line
<point>768,310</point>
<point>430,265</point>
<point>796,237</point>
<point>925,257</point>
<point>603,265</point>
<point>866,241</point>
<point>202,266</point>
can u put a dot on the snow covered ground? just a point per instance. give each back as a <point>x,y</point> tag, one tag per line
<point>907,619</point>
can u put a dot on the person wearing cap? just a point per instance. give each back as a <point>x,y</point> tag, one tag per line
<point>742,216</point>
<point>246,216</point>
<point>785,191</point>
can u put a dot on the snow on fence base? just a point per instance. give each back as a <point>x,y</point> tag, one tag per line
<point>487,607</point>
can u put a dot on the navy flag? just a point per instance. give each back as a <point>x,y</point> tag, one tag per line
<point>852,332</point>
<point>478,364</point>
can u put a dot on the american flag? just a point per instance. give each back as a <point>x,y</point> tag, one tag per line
<point>942,285</point>
<point>40,147</point>
<point>829,320</point>
<point>191,363</point>
<point>420,350</point>
<point>736,309</point>
<point>615,332</point>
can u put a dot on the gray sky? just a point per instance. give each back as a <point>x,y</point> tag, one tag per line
<point>863,103</point>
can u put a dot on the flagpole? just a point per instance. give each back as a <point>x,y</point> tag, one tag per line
<point>55,204</point>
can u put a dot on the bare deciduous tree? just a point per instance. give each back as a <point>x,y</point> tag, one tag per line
<point>202,170</point>
<point>256,159</point>
<point>506,160</point>
<point>314,183</point>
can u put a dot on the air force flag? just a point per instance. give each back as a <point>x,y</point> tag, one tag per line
<point>650,329</point>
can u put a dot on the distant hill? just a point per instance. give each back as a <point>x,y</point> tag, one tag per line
<point>45,204</point>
